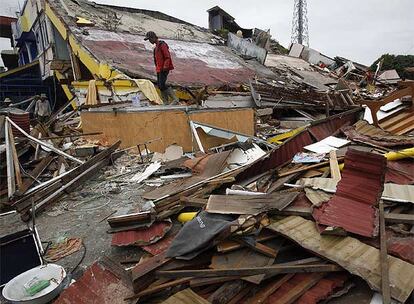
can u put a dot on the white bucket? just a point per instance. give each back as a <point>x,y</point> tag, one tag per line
<point>15,292</point>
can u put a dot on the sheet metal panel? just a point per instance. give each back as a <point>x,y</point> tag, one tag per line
<point>196,64</point>
<point>364,132</point>
<point>141,237</point>
<point>352,206</point>
<point>331,125</point>
<point>97,285</point>
<point>356,257</point>
<point>323,289</point>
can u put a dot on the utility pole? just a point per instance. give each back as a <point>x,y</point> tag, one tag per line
<point>300,32</point>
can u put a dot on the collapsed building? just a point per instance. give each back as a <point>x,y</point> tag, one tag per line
<point>277,179</point>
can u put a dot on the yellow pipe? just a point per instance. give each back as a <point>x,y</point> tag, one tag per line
<point>400,154</point>
<point>186,216</point>
<point>277,139</point>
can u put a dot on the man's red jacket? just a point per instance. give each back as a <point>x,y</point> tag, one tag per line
<point>162,57</point>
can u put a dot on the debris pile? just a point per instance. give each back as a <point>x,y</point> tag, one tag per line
<point>275,179</point>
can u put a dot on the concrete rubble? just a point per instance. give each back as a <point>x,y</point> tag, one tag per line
<point>278,178</point>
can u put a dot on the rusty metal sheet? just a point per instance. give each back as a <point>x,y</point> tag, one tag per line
<point>160,246</point>
<point>196,64</point>
<point>278,156</point>
<point>141,237</point>
<point>364,132</point>
<point>249,204</point>
<point>398,245</point>
<point>97,285</point>
<point>399,123</point>
<point>352,206</point>
<point>353,255</point>
<point>331,125</point>
<point>400,172</point>
<point>324,288</point>
<point>290,147</point>
<point>293,289</point>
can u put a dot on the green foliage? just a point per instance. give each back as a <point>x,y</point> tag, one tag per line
<point>397,62</point>
<point>277,48</point>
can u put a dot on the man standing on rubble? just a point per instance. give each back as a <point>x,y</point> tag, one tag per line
<point>163,65</point>
<point>42,108</point>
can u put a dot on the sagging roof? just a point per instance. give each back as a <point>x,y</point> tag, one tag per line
<point>197,60</point>
<point>132,21</point>
<point>195,63</point>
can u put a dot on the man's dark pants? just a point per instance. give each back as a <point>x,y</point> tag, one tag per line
<point>162,79</point>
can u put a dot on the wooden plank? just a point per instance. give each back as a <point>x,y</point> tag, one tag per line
<point>268,289</point>
<point>249,204</point>
<point>11,186</point>
<point>37,171</point>
<point>193,202</point>
<point>171,125</point>
<point>399,218</point>
<point>158,288</point>
<point>230,245</point>
<point>246,257</point>
<point>186,296</point>
<point>240,296</point>
<point>209,281</point>
<point>267,270</point>
<point>263,249</point>
<point>385,282</point>
<point>333,165</point>
<point>44,144</point>
<point>16,162</point>
<point>226,292</point>
<point>318,165</point>
<point>142,274</point>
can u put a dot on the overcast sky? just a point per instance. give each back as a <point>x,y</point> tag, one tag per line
<point>360,30</point>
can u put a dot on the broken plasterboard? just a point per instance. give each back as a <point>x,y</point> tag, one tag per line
<point>327,144</point>
<point>172,152</point>
<point>139,177</point>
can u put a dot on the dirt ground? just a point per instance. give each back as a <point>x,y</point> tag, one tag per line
<point>83,214</point>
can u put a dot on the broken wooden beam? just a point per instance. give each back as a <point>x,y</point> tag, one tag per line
<point>248,271</point>
<point>385,282</point>
<point>399,218</point>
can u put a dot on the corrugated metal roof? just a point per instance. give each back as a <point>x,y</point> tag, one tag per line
<point>363,131</point>
<point>295,144</point>
<point>141,237</point>
<point>323,289</point>
<point>356,257</point>
<point>401,246</point>
<point>97,285</point>
<point>400,122</point>
<point>333,124</point>
<point>278,156</point>
<point>160,246</point>
<point>352,206</point>
<point>195,63</point>
<point>400,172</point>
<point>293,289</point>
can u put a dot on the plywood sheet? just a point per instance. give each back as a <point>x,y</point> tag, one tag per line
<point>356,257</point>
<point>171,125</point>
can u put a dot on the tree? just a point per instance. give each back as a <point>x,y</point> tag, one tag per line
<point>397,62</point>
